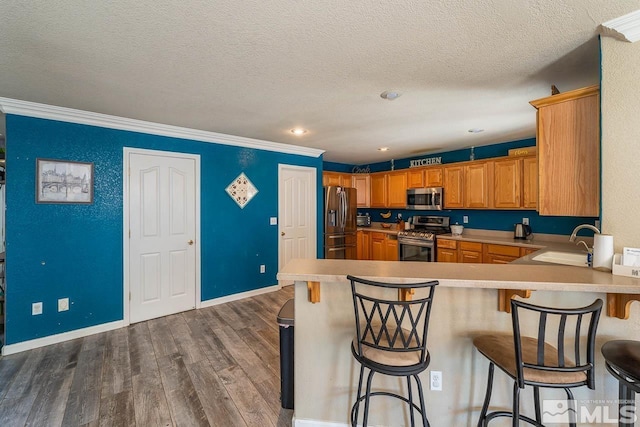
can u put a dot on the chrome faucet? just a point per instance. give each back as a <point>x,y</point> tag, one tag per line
<point>572,238</point>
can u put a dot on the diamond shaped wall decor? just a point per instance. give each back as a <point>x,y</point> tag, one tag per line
<point>241,190</point>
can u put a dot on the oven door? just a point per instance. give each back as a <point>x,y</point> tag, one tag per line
<point>416,250</point>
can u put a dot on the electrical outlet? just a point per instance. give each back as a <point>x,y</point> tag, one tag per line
<point>36,308</point>
<point>525,221</point>
<point>63,304</point>
<point>465,219</point>
<point>436,380</point>
<point>273,220</point>
<point>263,268</point>
<point>597,224</point>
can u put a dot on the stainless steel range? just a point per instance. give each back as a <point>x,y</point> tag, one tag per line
<point>418,243</point>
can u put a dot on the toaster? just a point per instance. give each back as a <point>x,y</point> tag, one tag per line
<point>363,221</point>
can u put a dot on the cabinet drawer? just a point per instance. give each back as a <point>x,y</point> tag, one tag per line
<point>377,235</point>
<point>449,244</point>
<point>512,251</point>
<point>527,251</point>
<point>471,246</point>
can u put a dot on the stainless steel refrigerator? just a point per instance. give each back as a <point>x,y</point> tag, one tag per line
<point>340,223</point>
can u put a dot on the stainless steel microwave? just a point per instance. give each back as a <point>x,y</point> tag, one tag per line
<point>425,199</point>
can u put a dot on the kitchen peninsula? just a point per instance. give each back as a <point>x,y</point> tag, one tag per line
<point>464,306</point>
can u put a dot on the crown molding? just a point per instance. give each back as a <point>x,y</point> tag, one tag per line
<point>63,114</point>
<point>625,28</point>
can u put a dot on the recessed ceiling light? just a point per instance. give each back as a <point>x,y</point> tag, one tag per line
<point>475,130</point>
<point>390,95</point>
<point>383,149</point>
<point>298,131</point>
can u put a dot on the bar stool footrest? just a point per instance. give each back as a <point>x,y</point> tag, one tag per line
<point>383,393</point>
<point>497,414</point>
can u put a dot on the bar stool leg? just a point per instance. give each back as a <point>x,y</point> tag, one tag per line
<point>625,395</point>
<point>515,422</point>
<point>366,399</point>
<point>487,397</point>
<point>536,398</point>
<point>413,421</point>
<point>425,421</point>
<point>356,408</point>
<point>571,404</point>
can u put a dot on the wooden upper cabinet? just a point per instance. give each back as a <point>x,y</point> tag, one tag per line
<point>336,178</point>
<point>397,189</point>
<point>477,188</point>
<point>453,186</point>
<point>433,177</point>
<point>507,189</point>
<point>378,190</point>
<point>568,140</point>
<point>362,184</point>
<point>529,183</point>
<point>415,178</point>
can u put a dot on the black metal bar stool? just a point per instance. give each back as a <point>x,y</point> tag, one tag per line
<point>534,361</point>
<point>622,359</point>
<point>391,339</point>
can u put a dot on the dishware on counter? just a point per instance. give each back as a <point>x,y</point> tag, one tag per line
<point>456,229</point>
<point>385,224</point>
<point>521,231</point>
<point>602,252</point>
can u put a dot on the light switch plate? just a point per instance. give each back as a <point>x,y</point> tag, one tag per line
<point>273,220</point>
<point>63,304</point>
<point>263,268</point>
<point>465,219</point>
<point>525,221</point>
<point>36,308</point>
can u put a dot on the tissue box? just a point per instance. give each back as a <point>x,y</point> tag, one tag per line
<point>623,270</point>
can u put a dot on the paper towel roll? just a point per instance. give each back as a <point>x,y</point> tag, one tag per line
<point>602,252</point>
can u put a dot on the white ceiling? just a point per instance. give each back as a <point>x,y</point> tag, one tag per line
<point>258,68</point>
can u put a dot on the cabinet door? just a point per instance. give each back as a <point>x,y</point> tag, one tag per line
<point>507,179</point>
<point>453,184</point>
<point>529,183</point>
<point>362,184</point>
<point>397,193</point>
<point>476,185</point>
<point>363,244</point>
<point>378,249</point>
<point>447,255</point>
<point>568,139</point>
<point>470,256</point>
<point>379,190</point>
<point>331,178</point>
<point>391,248</point>
<point>415,178</point>
<point>500,254</point>
<point>433,177</point>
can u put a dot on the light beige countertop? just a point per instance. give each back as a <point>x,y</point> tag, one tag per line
<point>541,276</point>
<point>506,238</point>
<point>375,226</point>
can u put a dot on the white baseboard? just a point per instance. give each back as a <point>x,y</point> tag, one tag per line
<point>58,338</point>
<point>316,423</point>
<point>241,295</point>
<point>84,332</point>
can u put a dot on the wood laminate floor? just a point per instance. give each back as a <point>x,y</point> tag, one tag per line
<point>215,366</point>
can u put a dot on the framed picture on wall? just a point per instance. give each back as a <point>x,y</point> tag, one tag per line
<point>64,181</point>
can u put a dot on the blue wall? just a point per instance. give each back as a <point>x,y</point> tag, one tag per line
<point>484,219</point>
<point>55,251</point>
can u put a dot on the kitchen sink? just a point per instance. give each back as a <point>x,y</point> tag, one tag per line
<point>576,259</point>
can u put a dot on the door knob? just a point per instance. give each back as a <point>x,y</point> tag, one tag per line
<point>282,233</point>
<point>190,242</point>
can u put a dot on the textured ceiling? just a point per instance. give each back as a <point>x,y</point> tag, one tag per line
<point>258,68</point>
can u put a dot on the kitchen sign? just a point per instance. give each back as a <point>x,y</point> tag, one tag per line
<point>425,162</point>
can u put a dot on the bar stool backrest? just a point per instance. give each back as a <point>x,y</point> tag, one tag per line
<point>561,346</point>
<point>387,324</point>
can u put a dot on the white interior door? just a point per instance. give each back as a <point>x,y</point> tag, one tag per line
<point>296,213</point>
<point>162,234</point>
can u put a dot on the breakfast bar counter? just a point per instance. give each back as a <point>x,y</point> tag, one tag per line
<point>326,375</point>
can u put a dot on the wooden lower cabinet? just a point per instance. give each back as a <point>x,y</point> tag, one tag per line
<point>377,246</point>
<point>447,250</point>
<point>363,245</point>
<point>499,254</point>
<point>470,252</point>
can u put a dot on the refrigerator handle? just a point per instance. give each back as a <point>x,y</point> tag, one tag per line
<point>344,210</point>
